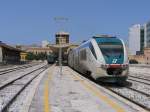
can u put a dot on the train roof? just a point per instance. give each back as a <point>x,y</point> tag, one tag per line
<point>103,39</point>
<point>104,36</point>
<point>107,40</point>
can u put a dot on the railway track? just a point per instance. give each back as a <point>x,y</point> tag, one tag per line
<point>11,90</point>
<point>133,95</point>
<point>139,79</point>
<point>142,73</point>
<point>138,92</point>
<point>2,72</point>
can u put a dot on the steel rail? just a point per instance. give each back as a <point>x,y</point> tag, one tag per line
<point>5,108</point>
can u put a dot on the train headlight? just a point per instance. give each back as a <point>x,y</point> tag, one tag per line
<point>105,66</point>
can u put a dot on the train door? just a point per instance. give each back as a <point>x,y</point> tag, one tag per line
<point>76,59</point>
<point>73,60</point>
<point>91,58</point>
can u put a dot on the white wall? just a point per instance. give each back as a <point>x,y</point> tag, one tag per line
<point>45,43</point>
<point>1,57</point>
<point>145,34</point>
<point>134,39</point>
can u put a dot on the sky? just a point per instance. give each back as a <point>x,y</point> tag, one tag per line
<point>31,21</point>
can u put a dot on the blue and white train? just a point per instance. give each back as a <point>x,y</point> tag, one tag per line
<point>102,57</point>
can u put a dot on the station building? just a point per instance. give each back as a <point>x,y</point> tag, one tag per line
<point>62,38</point>
<point>37,50</point>
<point>9,54</point>
<point>23,56</point>
<point>34,50</point>
<point>62,42</point>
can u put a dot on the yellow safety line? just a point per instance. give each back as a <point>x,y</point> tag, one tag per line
<point>46,93</point>
<point>97,93</point>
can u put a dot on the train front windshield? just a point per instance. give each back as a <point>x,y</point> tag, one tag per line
<point>112,52</point>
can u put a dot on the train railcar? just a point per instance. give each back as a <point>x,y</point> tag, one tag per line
<point>103,58</point>
<point>50,59</point>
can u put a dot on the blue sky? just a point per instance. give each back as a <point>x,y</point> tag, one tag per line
<point>31,21</point>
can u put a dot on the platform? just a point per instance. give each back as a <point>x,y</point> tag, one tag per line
<point>70,92</point>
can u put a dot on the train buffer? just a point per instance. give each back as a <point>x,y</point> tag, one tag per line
<point>71,92</point>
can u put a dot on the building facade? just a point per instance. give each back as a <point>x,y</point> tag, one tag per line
<point>62,41</point>
<point>136,39</point>
<point>147,55</point>
<point>62,38</point>
<point>1,55</point>
<point>9,54</point>
<point>147,34</point>
<point>23,56</point>
<point>142,59</point>
<point>139,38</point>
<point>142,40</point>
<point>38,50</point>
<point>45,43</point>
<point>139,58</point>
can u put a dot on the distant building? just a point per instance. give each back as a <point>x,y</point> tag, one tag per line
<point>62,38</point>
<point>142,59</point>
<point>25,47</point>
<point>23,56</point>
<point>62,41</point>
<point>9,54</point>
<point>136,39</point>
<point>139,58</point>
<point>37,50</point>
<point>147,34</point>
<point>45,43</point>
<point>147,55</point>
<point>139,37</point>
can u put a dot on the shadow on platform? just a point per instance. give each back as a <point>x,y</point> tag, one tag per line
<point>115,85</point>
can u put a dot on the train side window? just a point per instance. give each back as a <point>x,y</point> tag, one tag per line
<point>83,54</point>
<point>92,50</point>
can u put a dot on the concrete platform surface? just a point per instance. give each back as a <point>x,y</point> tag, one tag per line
<point>70,92</point>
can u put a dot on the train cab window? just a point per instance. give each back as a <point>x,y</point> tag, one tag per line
<point>92,50</point>
<point>83,54</point>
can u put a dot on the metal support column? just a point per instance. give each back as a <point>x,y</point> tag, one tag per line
<point>60,60</point>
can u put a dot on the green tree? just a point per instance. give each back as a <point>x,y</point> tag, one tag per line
<point>30,56</point>
<point>42,56</point>
<point>39,56</point>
